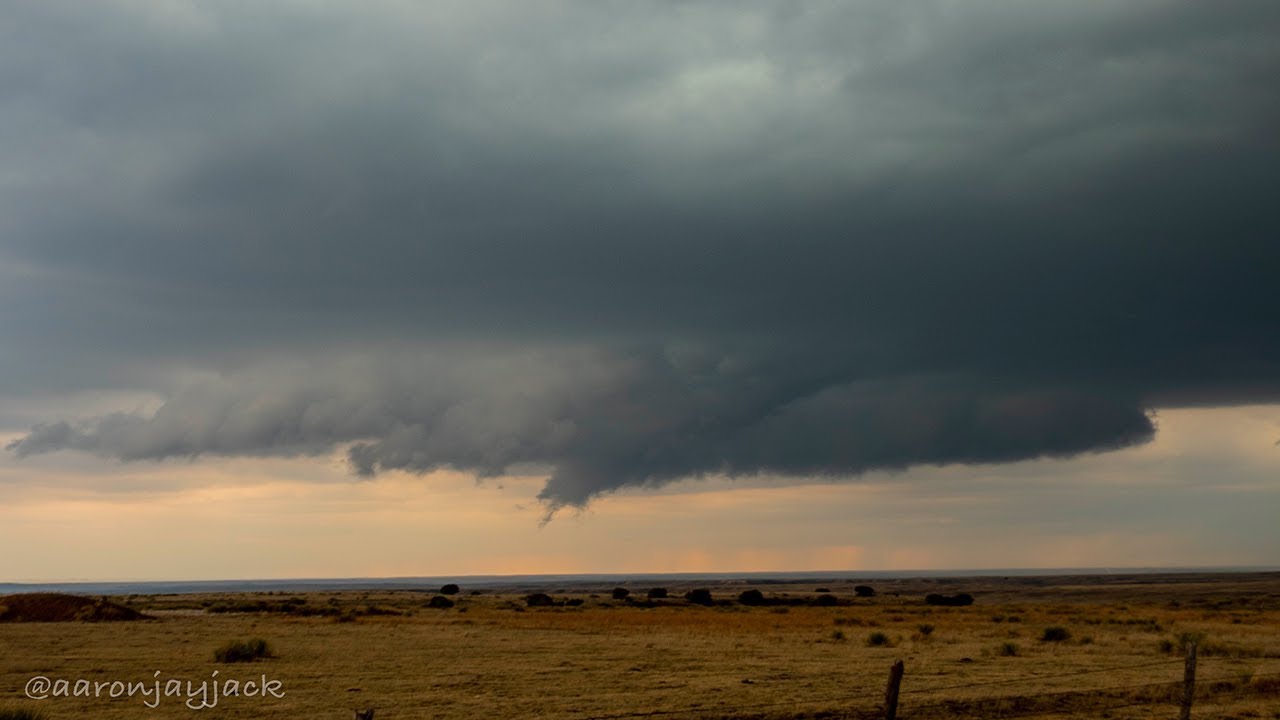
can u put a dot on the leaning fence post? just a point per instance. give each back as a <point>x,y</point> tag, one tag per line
<point>891,691</point>
<point>1188,682</point>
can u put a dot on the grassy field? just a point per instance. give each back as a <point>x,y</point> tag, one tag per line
<point>491,656</point>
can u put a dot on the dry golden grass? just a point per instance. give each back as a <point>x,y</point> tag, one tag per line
<point>490,657</point>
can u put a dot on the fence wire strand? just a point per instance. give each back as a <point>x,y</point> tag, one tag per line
<point>909,710</point>
<point>1044,676</point>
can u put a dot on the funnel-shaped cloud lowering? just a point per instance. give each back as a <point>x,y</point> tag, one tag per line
<point>601,421</point>
<point>692,238</point>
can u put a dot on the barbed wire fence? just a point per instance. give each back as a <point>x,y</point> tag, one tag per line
<point>898,703</point>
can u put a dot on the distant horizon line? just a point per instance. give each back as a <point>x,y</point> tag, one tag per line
<point>498,578</point>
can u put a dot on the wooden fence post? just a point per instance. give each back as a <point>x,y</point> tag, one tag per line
<point>891,691</point>
<point>1188,682</point>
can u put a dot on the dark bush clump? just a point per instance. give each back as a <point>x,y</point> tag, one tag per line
<point>657,593</point>
<point>574,602</point>
<point>440,602</point>
<point>823,590</point>
<point>751,597</point>
<point>877,639</point>
<point>826,601</point>
<point>1055,634</point>
<point>620,593</point>
<point>449,589</point>
<point>375,610</point>
<point>243,651</point>
<point>291,606</point>
<point>960,600</point>
<point>864,591</point>
<point>539,600</point>
<point>700,596</point>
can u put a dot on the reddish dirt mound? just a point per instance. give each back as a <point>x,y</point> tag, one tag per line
<point>57,607</point>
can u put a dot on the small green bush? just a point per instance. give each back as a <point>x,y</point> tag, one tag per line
<point>1187,638</point>
<point>878,639</point>
<point>1180,643</point>
<point>243,651</point>
<point>699,596</point>
<point>1055,634</point>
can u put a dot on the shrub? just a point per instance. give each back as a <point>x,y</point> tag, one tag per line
<point>449,589</point>
<point>1009,649</point>
<point>699,596</point>
<point>440,602</point>
<point>1055,634</point>
<point>878,639</point>
<point>751,597</point>
<point>1187,638</point>
<point>838,635</point>
<point>620,593</point>
<point>960,600</point>
<point>925,629</point>
<point>826,600</point>
<point>539,600</point>
<point>243,651</point>
<point>823,590</point>
<point>21,714</point>
<point>574,602</point>
<point>1182,641</point>
<point>864,591</point>
<point>657,593</point>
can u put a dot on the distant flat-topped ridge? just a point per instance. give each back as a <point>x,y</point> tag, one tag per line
<point>60,607</point>
<point>909,580</point>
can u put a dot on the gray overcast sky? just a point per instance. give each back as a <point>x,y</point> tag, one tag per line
<point>623,244</point>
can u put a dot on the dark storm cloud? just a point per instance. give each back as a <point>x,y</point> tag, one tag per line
<point>599,421</point>
<point>803,239</point>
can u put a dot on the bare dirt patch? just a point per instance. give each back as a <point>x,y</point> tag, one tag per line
<point>59,607</point>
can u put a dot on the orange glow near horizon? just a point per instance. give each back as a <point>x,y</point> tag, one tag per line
<point>76,519</point>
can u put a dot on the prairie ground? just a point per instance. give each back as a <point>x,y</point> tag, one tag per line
<point>490,655</point>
